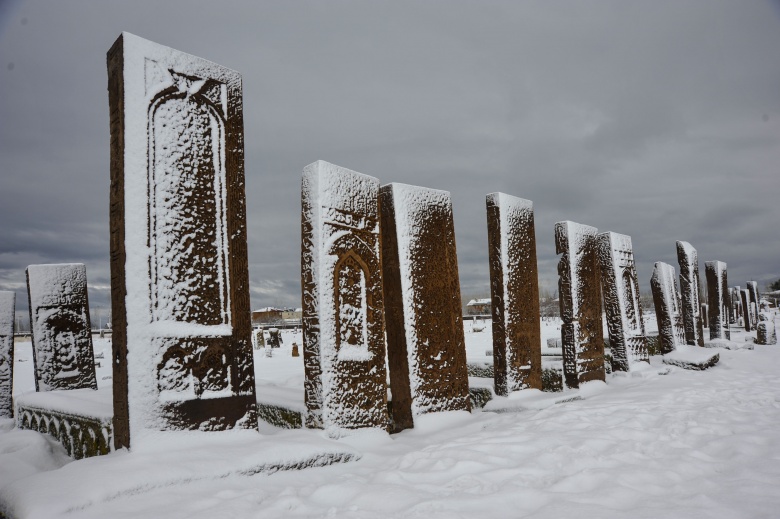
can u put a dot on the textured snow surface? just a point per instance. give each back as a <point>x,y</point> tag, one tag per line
<point>81,402</point>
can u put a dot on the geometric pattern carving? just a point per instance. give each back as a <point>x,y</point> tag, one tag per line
<point>7,313</point>
<point>61,334</point>
<point>626,327</point>
<point>688,259</point>
<point>343,324</point>
<point>514,285</point>
<point>718,299</point>
<point>579,288</point>
<point>425,341</point>
<point>179,279</point>
<point>668,311</point>
<point>82,436</point>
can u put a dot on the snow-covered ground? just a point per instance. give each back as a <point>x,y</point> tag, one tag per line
<point>662,442</point>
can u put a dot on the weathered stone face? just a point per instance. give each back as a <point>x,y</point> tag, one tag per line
<point>179,287</point>
<point>747,318</point>
<point>668,312</point>
<point>579,290</point>
<point>688,259</point>
<point>752,288</point>
<point>343,324</point>
<point>514,287</point>
<point>627,340</point>
<point>425,343</point>
<point>61,335</point>
<point>7,311</point>
<point>765,330</point>
<point>718,299</point>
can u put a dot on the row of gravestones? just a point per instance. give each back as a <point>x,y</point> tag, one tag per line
<point>376,261</point>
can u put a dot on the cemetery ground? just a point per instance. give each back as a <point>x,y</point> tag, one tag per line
<point>659,442</point>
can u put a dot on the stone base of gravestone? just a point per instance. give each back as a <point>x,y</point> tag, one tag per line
<point>692,358</point>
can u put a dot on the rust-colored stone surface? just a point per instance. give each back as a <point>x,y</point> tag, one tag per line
<point>7,314</point>
<point>718,299</point>
<point>425,341</point>
<point>690,290</point>
<point>343,324</point>
<point>514,288</point>
<point>668,311</point>
<point>61,332</point>
<point>755,299</point>
<point>579,290</point>
<point>747,320</point>
<point>179,278</point>
<point>627,340</point>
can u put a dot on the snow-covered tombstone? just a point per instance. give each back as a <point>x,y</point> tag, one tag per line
<point>668,311</point>
<point>425,340</point>
<point>627,340</point>
<point>7,309</point>
<point>688,259</point>
<point>747,313</point>
<point>755,298</point>
<point>736,305</point>
<point>705,315</point>
<point>179,280</point>
<point>61,331</point>
<point>718,299</point>
<point>343,322</point>
<point>514,287</point>
<point>579,289</point>
<point>765,330</point>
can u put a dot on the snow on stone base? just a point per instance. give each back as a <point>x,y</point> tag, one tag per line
<point>528,399</point>
<point>691,357</point>
<point>748,344</point>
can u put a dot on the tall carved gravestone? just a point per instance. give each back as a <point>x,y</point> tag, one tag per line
<point>59,320</point>
<point>765,330</point>
<point>668,312</point>
<point>746,312</point>
<point>179,278</point>
<point>705,315</point>
<point>514,287</point>
<point>688,259</point>
<point>718,299</point>
<point>582,336</point>
<point>7,310</point>
<point>735,306</point>
<point>626,328</point>
<point>426,348</point>
<point>343,324</point>
<point>755,301</point>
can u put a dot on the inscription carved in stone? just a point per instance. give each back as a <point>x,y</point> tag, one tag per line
<point>718,299</point>
<point>626,328</point>
<point>425,341</point>
<point>7,310</point>
<point>343,324</point>
<point>61,335</point>
<point>668,308</point>
<point>180,299</point>
<point>688,259</point>
<point>514,287</point>
<point>579,290</point>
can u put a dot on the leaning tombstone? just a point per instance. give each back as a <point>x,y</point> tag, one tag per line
<point>718,299</point>
<point>688,259</point>
<point>425,341</point>
<point>747,319</point>
<point>179,280</point>
<point>668,313</point>
<point>582,336</point>
<point>514,286</point>
<point>7,309</point>
<point>343,327</point>
<point>627,341</point>
<point>765,331</point>
<point>61,332</point>
<point>755,299</point>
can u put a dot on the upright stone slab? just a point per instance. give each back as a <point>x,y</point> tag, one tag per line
<point>61,332</point>
<point>7,310</point>
<point>426,348</point>
<point>514,287</point>
<point>765,330</point>
<point>755,301</point>
<point>627,340</point>
<point>747,314</point>
<point>688,259</point>
<point>343,323</point>
<point>582,336</point>
<point>705,315</point>
<point>668,311</point>
<point>179,278</point>
<point>736,305</point>
<point>718,299</point>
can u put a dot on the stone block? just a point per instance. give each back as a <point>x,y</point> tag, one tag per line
<point>668,312</point>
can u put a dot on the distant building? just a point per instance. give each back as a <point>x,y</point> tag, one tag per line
<point>478,307</point>
<point>267,315</point>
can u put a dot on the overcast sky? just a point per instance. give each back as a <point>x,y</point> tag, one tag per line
<point>660,120</point>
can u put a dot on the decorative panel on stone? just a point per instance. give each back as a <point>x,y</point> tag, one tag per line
<point>579,289</point>
<point>179,278</point>
<point>718,299</point>
<point>627,341</point>
<point>343,323</point>
<point>61,332</point>
<point>688,259</point>
<point>747,313</point>
<point>514,287</point>
<point>755,299</point>
<point>425,341</point>
<point>7,313</point>
<point>668,309</point>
